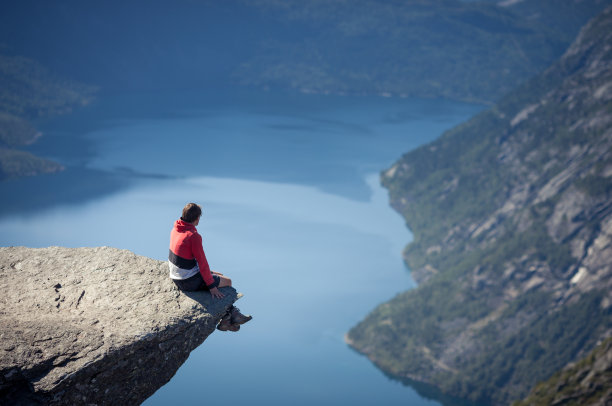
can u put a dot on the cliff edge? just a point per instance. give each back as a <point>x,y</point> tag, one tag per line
<point>94,325</point>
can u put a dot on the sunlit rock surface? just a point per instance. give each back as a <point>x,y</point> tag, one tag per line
<point>94,325</point>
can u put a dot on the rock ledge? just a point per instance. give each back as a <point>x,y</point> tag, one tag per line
<point>94,325</point>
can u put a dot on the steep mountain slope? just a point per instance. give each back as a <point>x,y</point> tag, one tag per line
<point>512,218</point>
<point>585,383</point>
<point>435,48</point>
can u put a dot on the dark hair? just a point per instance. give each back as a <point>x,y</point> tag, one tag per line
<point>191,212</point>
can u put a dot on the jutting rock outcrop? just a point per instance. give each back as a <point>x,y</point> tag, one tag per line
<point>94,325</point>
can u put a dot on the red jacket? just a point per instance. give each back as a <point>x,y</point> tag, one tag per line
<point>186,243</point>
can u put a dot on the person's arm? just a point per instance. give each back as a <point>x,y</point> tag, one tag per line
<point>198,253</point>
<point>216,293</point>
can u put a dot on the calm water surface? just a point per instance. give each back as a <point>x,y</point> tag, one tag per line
<point>293,212</point>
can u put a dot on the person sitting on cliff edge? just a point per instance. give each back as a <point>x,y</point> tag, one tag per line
<point>189,268</point>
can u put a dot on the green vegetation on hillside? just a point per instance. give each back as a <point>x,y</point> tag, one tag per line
<point>27,92</point>
<point>473,51</point>
<point>586,382</point>
<point>505,210</point>
<point>528,357</point>
<point>15,131</point>
<point>30,91</point>
<point>15,163</point>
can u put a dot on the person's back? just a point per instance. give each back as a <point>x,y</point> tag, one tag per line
<point>189,267</point>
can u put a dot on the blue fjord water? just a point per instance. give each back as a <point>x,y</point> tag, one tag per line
<point>293,213</point>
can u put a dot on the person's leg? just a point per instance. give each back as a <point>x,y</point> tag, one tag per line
<point>199,284</point>
<point>196,282</point>
<point>237,317</point>
<point>226,323</point>
<point>190,284</point>
<point>224,281</point>
<point>232,320</point>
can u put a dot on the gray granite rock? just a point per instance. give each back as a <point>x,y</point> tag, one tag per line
<point>94,325</point>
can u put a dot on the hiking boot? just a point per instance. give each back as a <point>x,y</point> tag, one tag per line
<point>237,317</point>
<point>226,324</point>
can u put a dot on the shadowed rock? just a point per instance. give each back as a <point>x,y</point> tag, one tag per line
<point>94,325</point>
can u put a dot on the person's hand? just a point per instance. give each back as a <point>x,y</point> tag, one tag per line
<point>216,293</point>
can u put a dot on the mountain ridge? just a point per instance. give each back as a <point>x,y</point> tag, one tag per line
<point>468,51</point>
<point>512,220</point>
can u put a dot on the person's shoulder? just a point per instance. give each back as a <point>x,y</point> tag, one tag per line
<point>195,235</point>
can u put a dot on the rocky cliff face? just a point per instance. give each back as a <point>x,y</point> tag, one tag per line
<point>94,325</point>
<point>585,383</point>
<point>512,217</point>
